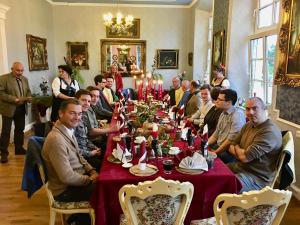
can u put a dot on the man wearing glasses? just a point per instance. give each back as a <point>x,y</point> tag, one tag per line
<point>229,125</point>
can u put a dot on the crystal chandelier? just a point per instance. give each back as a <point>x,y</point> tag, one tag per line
<point>119,24</point>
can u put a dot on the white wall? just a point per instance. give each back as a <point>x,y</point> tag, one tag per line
<point>200,44</point>
<point>239,29</point>
<point>162,28</point>
<point>29,17</point>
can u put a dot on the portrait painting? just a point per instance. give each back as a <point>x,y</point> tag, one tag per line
<point>218,48</point>
<point>78,54</point>
<point>132,32</point>
<point>167,58</point>
<point>288,54</point>
<point>293,65</point>
<point>37,53</point>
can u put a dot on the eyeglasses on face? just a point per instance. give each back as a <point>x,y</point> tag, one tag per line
<point>221,100</point>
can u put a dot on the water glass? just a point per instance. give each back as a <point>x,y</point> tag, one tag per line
<point>210,161</point>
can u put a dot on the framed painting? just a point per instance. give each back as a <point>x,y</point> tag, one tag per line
<point>132,32</point>
<point>37,53</point>
<point>288,54</point>
<point>167,58</point>
<point>78,54</point>
<point>218,48</point>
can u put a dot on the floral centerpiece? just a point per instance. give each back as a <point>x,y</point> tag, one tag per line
<point>44,86</point>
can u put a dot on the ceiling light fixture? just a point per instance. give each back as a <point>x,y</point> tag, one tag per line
<point>119,24</point>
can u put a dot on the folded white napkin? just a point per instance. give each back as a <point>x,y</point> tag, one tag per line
<point>205,129</point>
<point>171,114</point>
<point>125,154</point>
<point>143,158</point>
<point>184,133</point>
<point>118,153</point>
<point>140,139</point>
<point>197,161</point>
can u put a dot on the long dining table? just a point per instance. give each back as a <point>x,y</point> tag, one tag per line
<point>207,186</point>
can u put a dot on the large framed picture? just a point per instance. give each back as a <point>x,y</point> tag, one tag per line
<point>78,54</point>
<point>288,66</point>
<point>218,48</point>
<point>167,58</point>
<point>132,32</point>
<point>37,53</point>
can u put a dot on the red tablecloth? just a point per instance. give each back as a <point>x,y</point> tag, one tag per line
<point>207,186</point>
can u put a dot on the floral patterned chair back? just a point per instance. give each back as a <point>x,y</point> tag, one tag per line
<point>159,202</point>
<point>264,207</point>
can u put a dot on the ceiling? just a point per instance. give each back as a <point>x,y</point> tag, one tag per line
<point>139,2</point>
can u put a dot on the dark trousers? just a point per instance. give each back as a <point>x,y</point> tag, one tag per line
<point>77,194</point>
<point>19,121</point>
<point>95,161</point>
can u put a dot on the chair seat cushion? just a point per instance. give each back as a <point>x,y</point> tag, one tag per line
<point>261,214</point>
<point>71,205</point>
<point>208,221</point>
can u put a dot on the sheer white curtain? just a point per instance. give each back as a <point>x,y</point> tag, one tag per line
<point>3,47</point>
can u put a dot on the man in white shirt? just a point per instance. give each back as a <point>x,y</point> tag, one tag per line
<point>206,104</point>
<point>108,92</point>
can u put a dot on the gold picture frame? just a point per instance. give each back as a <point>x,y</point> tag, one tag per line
<point>132,32</point>
<point>218,48</point>
<point>78,54</point>
<point>37,53</point>
<point>288,55</point>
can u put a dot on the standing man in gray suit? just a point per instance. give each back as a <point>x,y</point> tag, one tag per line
<point>14,95</point>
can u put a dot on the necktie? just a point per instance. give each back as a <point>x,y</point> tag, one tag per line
<point>19,81</point>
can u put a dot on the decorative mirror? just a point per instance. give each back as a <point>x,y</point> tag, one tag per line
<point>128,55</point>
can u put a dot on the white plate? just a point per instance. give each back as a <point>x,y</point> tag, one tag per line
<point>174,152</point>
<point>127,165</point>
<point>173,148</point>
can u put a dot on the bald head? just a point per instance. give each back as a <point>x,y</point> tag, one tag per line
<point>176,82</point>
<point>17,69</point>
<point>185,85</point>
<point>255,110</point>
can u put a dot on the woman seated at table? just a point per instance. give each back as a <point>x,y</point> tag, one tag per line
<point>212,116</point>
<point>194,100</point>
<point>206,104</point>
<point>63,87</point>
<point>219,77</point>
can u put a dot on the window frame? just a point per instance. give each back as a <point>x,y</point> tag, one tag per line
<point>265,81</point>
<point>274,25</point>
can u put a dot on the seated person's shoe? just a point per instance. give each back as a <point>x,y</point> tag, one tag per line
<point>20,151</point>
<point>4,159</point>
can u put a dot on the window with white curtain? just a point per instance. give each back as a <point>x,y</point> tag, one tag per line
<point>267,13</point>
<point>262,59</point>
<point>263,49</point>
<point>208,65</point>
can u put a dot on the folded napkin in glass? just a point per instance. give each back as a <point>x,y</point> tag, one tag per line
<point>197,161</point>
<point>118,153</point>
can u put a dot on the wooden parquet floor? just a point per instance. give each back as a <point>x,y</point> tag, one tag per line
<point>17,209</point>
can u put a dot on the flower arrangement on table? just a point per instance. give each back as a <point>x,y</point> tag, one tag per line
<point>44,86</point>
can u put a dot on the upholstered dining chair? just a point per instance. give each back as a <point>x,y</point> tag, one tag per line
<point>264,207</point>
<point>285,167</point>
<point>155,202</point>
<point>62,208</point>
